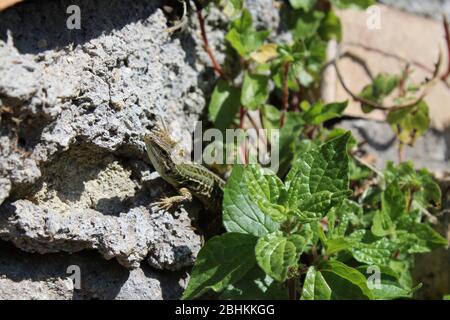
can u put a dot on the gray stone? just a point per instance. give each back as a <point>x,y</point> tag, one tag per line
<point>16,167</point>
<point>129,237</point>
<point>76,186</point>
<point>429,8</point>
<point>34,276</point>
<point>5,188</point>
<point>431,151</point>
<point>102,89</point>
<point>74,176</point>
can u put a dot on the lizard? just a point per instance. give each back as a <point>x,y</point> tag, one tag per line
<point>188,178</point>
<point>182,23</point>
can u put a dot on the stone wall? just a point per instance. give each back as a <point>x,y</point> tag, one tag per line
<point>74,177</point>
<point>76,187</point>
<point>428,8</point>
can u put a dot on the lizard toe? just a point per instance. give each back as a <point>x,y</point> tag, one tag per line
<point>163,204</point>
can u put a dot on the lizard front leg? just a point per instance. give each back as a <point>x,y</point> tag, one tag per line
<point>168,202</point>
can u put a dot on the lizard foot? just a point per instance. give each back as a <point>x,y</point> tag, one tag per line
<point>168,203</point>
<point>164,204</point>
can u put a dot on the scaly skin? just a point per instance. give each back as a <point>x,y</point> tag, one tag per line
<point>188,178</point>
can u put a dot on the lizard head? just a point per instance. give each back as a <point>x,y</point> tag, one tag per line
<point>160,147</point>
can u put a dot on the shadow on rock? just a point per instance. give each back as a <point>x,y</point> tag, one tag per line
<point>35,276</point>
<point>34,33</point>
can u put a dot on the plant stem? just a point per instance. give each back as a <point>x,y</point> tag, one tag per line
<point>402,82</point>
<point>447,40</point>
<point>314,253</point>
<point>292,288</point>
<point>252,121</point>
<point>427,86</point>
<point>201,20</point>
<point>432,219</point>
<point>368,165</point>
<point>297,100</point>
<point>389,55</point>
<point>285,92</point>
<point>411,198</point>
<point>401,153</point>
<point>261,137</point>
<point>242,113</point>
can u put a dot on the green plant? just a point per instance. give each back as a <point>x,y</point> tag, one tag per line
<point>327,223</point>
<point>310,237</point>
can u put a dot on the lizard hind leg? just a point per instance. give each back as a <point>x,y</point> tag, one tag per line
<point>168,203</point>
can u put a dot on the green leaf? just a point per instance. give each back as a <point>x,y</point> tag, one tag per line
<point>240,213</point>
<point>223,260</point>
<point>410,243</point>
<point>389,290</point>
<point>319,113</point>
<point>346,283</point>
<point>289,140</point>
<point>244,22</point>
<point>255,90</point>
<point>382,224</point>
<point>426,191</point>
<point>359,173</point>
<point>307,23</point>
<point>336,245</point>
<point>246,43</point>
<point>255,285</point>
<point>402,270</point>
<point>318,180</point>
<point>267,191</point>
<point>224,105</point>
<point>235,39</point>
<point>318,204</point>
<point>231,8</point>
<point>336,132</point>
<point>404,173</point>
<point>243,37</point>
<point>307,58</point>
<point>430,194</point>
<point>410,123</point>
<point>394,282</point>
<point>278,75</point>
<point>383,85</point>
<point>371,251</point>
<point>276,254</point>
<point>394,202</point>
<point>315,287</point>
<point>310,55</point>
<point>270,117</point>
<point>348,213</point>
<point>358,4</point>
<point>306,5</point>
<point>331,27</point>
<point>424,232</point>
